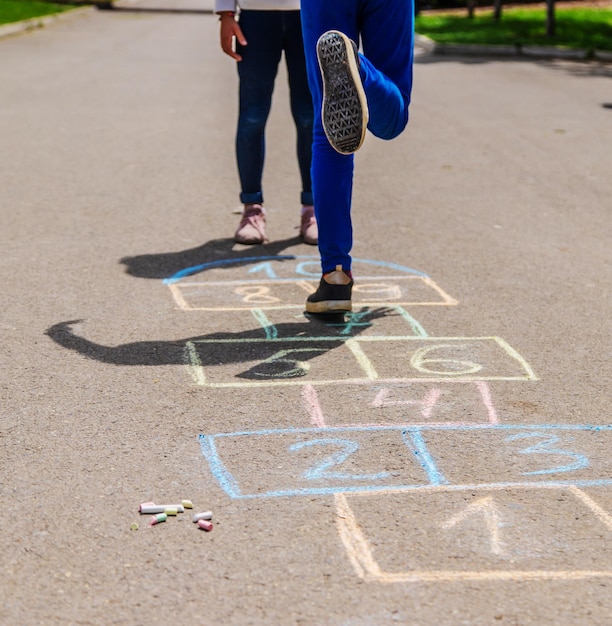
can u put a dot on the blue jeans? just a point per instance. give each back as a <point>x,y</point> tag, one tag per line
<point>386,31</point>
<point>268,34</point>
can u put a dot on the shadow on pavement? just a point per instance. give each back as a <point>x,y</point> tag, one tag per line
<point>231,347</point>
<point>576,67</point>
<point>167,264</point>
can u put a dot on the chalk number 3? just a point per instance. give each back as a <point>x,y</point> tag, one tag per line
<point>547,446</point>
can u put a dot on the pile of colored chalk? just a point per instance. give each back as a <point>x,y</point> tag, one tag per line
<point>160,513</point>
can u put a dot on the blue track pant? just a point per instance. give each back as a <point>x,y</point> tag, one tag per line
<point>386,31</point>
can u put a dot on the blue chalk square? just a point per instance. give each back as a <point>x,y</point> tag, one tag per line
<point>317,461</point>
<point>513,455</point>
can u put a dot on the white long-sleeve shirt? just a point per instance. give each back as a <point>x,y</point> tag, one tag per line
<point>257,5</point>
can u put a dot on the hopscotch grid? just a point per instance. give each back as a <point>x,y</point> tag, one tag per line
<point>177,287</point>
<point>449,300</point>
<point>417,329</point>
<point>437,482</point>
<point>267,281</point>
<point>366,567</point>
<point>361,358</point>
<point>317,417</point>
<point>363,381</point>
<point>356,544</point>
<point>417,428</point>
<point>597,510</point>
<point>367,338</point>
<point>420,450</point>
<point>217,467</point>
<point>487,400</point>
<point>189,271</point>
<point>300,307</point>
<point>177,294</point>
<point>515,355</point>
<point>405,489</point>
<point>193,362</point>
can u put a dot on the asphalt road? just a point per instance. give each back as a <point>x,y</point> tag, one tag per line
<point>440,457</point>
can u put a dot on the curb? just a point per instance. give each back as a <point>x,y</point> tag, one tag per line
<point>534,52</point>
<point>15,28</point>
<point>423,42</point>
<point>603,55</point>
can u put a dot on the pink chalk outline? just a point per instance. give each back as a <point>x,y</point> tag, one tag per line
<point>316,414</point>
<point>313,406</point>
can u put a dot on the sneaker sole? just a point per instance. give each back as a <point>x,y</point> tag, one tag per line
<point>328,306</point>
<point>344,111</point>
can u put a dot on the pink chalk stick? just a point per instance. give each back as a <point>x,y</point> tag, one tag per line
<point>204,524</point>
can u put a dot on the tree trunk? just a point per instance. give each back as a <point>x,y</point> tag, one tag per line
<point>471,4</point>
<point>550,18</point>
<point>497,10</point>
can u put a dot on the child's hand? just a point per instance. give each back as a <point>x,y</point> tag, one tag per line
<point>230,29</point>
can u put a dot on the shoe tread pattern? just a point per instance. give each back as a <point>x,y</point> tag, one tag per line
<point>343,114</point>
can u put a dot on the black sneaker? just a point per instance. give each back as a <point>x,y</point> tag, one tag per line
<point>333,294</point>
<point>345,108</point>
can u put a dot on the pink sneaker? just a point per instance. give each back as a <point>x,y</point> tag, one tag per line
<point>252,227</point>
<point>308,228</point>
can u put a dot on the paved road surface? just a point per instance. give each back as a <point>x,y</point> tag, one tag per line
<point>442,457</point>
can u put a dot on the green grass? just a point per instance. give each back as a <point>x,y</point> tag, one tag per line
<point>17,10</point>
<point>586,29</point>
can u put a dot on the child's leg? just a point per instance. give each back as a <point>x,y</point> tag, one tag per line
<point>332,173</point>
<point>387,33</point>
<point>257,71</point>
<point>386,27</point>
<point>301,99</point>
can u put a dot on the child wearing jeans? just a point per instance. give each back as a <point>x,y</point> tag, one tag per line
<point>256,39</point>
<point>351,92</point>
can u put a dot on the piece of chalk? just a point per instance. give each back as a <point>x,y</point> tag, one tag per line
<point>206,515</point>
<point>171,510</point>
<point>152,509</point>
<point>188,504</point>
<point>179,507</point>
<point>204,524</point>
<point>145,504</point>
<point>160,517</point>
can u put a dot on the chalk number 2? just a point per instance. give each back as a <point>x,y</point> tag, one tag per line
<point>322,468</point>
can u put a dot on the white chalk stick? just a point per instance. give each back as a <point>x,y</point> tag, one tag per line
<point>206,515</point>
<point>152,509</point>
